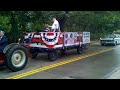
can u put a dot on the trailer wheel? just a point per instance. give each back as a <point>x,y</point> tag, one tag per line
<point>52,56</point>
<point>80,50</point>
<point>16,58</point>
<point>102,44</point>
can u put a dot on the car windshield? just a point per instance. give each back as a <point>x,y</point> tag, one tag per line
<point>110,36</point>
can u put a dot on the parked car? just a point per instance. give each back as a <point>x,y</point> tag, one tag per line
<point>113,39</point>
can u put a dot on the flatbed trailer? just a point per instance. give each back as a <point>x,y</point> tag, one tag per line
<point>50,42</point>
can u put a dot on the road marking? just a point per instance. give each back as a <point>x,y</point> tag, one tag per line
<point>55,65</point>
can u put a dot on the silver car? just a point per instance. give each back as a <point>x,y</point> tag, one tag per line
<point>113,39</point>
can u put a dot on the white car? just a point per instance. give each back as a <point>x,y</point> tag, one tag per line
<point>113,39</point>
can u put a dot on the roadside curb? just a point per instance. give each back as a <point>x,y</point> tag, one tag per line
<point>115,74</point>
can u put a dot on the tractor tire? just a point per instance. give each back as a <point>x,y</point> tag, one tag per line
<point>16,58</point>
<point>8,47</point>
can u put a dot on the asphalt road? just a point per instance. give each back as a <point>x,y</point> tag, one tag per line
<point>97,62</point>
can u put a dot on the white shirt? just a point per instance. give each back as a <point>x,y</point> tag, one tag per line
<point>55,25</point>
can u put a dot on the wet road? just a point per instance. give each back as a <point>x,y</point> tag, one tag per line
<point>94,63</point>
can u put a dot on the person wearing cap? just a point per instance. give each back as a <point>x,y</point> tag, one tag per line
<point>3,41</point>
<point>55,26</point>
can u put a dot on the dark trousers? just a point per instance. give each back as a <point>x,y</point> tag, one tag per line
<point>55,30</point>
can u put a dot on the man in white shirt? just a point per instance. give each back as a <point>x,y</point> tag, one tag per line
<point>47,29</point>
<point>55,26</point>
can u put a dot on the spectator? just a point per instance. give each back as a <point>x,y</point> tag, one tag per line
<point>3,41</point>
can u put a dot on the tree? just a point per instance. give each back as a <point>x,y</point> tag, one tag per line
<point>99,23</point>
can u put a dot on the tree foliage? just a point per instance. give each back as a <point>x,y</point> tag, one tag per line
<point>99,23</point>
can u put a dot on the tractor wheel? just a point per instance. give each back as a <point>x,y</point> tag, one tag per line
<point>52,56</point>
<point>8,47</point>
<point>16,58</point>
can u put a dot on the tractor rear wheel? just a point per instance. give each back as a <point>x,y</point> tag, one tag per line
<point>16,58</point>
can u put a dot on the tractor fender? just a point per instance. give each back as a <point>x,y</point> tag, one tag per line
<point>9,47</point>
